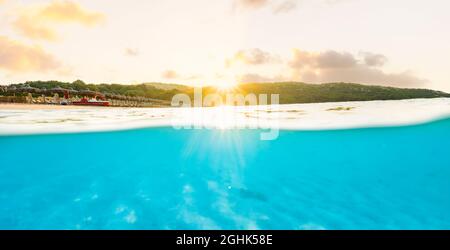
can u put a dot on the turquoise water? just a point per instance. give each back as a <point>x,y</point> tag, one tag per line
<point>161,178</point>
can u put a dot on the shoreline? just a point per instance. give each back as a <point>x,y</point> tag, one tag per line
<point>16,119</point>
<point>25,106</point>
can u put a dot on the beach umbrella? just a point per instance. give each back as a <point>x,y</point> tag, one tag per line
<point>99,95</point>
<point>46,91</point>
<point>87,92</point>
<point>111,95</point>
<point>28,89</point>
<point>59,90</point>
<point>72,91</point>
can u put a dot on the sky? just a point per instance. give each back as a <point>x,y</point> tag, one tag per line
<point>223,42</point>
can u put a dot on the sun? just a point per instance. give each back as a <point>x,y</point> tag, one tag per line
<point>225,85</point>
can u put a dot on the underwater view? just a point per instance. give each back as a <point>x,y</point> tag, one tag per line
<point>393,177</point>
<point>225,123</point>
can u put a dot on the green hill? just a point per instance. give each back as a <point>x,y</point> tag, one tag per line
<point>293,92</point>
<point>290,92</point>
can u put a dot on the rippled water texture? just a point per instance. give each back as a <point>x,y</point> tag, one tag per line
<point>161,178</point>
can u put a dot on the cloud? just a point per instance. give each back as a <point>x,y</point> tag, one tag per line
<point>27,27</point>
<point>257,78</point>
<point>375,60</point>
<point>17,57</point>
<point>333,66</point>
<point>251,4</point>
<point>252,57</point>
<point>335,1</point>
<point>285,6</point>
<point>326,66</point>
<point>277,6</point>
<point>328,59</point>
<point>131,52</point>
<point>170,74</point>
<point>362,74</point>
<point>67,11</point>
<point>333,59</point>
<point>39,22</point>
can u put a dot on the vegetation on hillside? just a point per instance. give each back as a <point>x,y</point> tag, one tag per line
<point>289,92</point>
<point>293,92</point>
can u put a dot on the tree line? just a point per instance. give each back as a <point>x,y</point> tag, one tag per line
<point>289,92</point>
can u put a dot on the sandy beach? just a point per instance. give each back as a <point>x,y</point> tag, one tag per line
<point>23,106</point>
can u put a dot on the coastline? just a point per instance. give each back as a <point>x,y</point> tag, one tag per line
<point>22,119</point>
<point>24,106</point>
